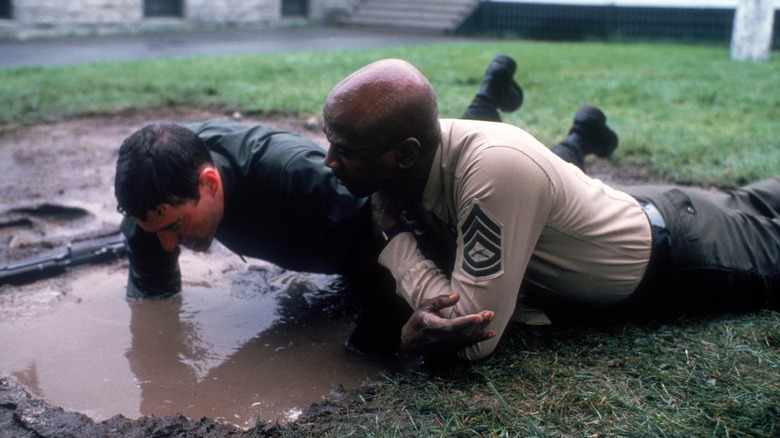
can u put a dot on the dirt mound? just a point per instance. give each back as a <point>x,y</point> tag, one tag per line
<point>22,415</point>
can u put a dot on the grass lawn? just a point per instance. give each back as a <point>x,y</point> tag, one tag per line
<point>685,111</point>
<point>697,377</point>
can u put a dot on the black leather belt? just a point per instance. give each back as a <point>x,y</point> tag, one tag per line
<point>653,214</point>
<point>661,238</point>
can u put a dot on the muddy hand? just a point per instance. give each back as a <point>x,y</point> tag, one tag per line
<point>428,333</point>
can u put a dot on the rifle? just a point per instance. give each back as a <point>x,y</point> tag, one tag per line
<point>96,250</point>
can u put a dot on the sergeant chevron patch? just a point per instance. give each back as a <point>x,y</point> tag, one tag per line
<point>481,244</point>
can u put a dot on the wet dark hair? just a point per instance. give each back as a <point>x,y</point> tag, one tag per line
<point>158,164</point>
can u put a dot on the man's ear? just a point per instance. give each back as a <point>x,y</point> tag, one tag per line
<point>407,152</point>
<point>210,179</point>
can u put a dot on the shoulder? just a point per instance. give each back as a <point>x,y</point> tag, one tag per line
<point>465,141</point>
<point>486,133</point>
<point>257,141</point>
<point>214,126</point>
<point>491,149</point>
<point>221,127</point>
<point>496,160</point>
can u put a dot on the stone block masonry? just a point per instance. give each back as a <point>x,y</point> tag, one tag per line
<point>34,18</point>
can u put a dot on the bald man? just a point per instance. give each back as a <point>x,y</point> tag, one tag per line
<point>511,211</point>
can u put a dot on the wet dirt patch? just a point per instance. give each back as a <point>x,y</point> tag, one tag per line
<point>246,342</point>
<point>221,349</point>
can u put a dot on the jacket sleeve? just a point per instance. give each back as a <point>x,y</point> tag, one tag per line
<point>502,202</point>
<point>154,272</point>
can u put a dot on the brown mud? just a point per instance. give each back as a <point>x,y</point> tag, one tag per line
<point>57,188</point>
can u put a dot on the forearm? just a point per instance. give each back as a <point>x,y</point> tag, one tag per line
<point>418,279</point>
<point>153,272</point>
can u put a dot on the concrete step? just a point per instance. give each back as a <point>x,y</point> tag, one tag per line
<point>407,16</point>
<point>441,15</point>
<point>418,3</point>
<point>384,23</point>
<point>433,9</point>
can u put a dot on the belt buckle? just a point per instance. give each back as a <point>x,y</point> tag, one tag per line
<point>653,215</point>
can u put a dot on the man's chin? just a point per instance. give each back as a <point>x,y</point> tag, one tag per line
<point>360,193</point>
<point>356,191</point>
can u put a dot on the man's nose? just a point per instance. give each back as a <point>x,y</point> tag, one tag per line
<point>168,240</point>
<point>331,158</point>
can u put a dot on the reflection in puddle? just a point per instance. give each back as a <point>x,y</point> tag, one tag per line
<point>241,342</point>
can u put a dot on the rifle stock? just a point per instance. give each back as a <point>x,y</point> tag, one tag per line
<point>55,262</point>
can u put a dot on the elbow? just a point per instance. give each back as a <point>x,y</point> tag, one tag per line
<point>478,351</point>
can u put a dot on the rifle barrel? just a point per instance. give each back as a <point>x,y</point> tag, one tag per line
<point>97,250</point>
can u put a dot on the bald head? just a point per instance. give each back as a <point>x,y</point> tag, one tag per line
<point>382,124</point>
<point>388,99</point>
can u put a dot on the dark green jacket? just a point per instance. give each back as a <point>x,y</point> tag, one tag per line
<point>282,205</point>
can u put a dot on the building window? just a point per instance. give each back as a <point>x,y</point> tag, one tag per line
<point>5,10</point>
<point>295,8</point>
<point>163,8</point>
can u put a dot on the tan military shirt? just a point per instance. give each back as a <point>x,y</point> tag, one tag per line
<point>513,210</point>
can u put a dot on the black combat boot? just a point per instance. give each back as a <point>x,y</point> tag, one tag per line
<point>570,152</point>
<point>499,86</point>
<point>590,125</point>
<point>589,134</point>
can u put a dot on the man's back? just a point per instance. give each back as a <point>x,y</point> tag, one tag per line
<point>282,204</point>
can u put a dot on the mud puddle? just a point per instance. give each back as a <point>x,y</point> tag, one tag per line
<point>244,341</point>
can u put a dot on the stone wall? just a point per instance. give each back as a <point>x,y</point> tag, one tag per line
<point>233,12</point>
<point>34,18</point>
<point>330,11</point>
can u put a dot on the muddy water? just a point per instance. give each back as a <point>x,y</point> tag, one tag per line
<point>243,341</point>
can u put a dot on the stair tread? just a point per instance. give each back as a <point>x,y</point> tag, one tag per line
<point>433,14</point>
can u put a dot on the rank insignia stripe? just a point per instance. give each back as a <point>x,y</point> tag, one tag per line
<point>482,249</point>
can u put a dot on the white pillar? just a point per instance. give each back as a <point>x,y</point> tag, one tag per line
<point>751,39</point>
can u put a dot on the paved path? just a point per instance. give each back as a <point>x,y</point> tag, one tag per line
<point>74,50</point>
